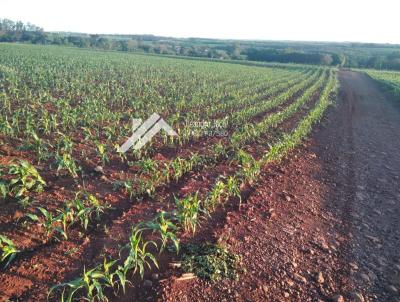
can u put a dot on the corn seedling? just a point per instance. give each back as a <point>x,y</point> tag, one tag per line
<point>232,186</point>
<point>48,221</point>
<point>178,168</point>
<point>220,151</point>
<point>102,151</point>
<point>166,229</point>
<point>25,178</point>
<point>3,189</point>
<point>147,166</point>
<point>8,250</point>
<point>121,155</point>
<point>121,274</point>
<point>92,284</point>
<point>187,212</point>
<point>67,218</point>
<point>86,209</point>
<point>147,186</point>
<point>138,256</point>
<point>250,168</point>
<point>65,144</point>
<point>66,162</point>
<point>216,196</point>
<point>40,148</point>
<point>127,185</point>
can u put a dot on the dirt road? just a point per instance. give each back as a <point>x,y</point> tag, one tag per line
<point>324,224</point>
<point>367,148</point>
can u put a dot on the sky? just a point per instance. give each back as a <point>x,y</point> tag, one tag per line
<point>308,20</point>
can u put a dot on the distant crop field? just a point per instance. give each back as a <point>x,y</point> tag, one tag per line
<point>79,214</point>
<point>389,79</point>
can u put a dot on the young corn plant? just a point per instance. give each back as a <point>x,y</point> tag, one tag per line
<point>109,273</point>
<point>180,137</point>
<point>86,209</point>
<point>82,213</point>
<point>40,147</point>
<point>6,128</point>
<point>91,284</point>
<point>25,178</point>
<point>102,151</point>
<point>148,166</point>
<point>29,123</point>
<point>215,196</point>
<point>220,151</point>
<point>4,189</point>
<point>67,218</point>
<point>166,172</point>
<point>49,222</point>
<point>87,133</point>
<point>98,209</point>
<point>127,185</point>
<point>147,186</point>
<point>233,188</point>
<point>187,212</point>
<point>8,250</point>
<point>122,280</point>
<point>166,229</point>
<point>113,278</point>
<point>138,256</point>
<point>121,155</point>
<point>109,132</point>
<point>66,162</point>
<point>65,144</point>
<point>178,168</point>
<point>45,123</point>
<point>195,161</point>
<point>250,167</point>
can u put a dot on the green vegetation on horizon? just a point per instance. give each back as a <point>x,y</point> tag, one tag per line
<point>346,54</point>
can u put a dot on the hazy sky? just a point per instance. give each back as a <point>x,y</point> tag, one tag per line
<point>316,20</point>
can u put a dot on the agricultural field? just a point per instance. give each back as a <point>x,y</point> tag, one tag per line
<point>79,218</point>
<point>390,80</point>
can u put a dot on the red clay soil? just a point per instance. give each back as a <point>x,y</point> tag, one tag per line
<point>324,224</point>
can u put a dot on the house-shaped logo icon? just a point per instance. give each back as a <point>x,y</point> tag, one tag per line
<point>143,133</point>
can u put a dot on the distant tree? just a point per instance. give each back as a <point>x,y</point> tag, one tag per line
<point>19,26</point>
<point>236,51</point>
<point>121,45</point>
<point>93,40</point>
<point>184,51</point>
<point>103,43</point>
<point>161,48</point>
<point>326,60</point>
<point>221,54</point>
<point>11,31</point>
<point>132,45</point>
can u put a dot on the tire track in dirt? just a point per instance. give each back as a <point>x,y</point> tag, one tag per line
<point>373,185</point>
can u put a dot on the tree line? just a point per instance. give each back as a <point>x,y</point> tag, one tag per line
<point>358,55</point>
<point>11,31</point>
